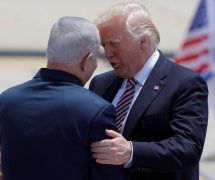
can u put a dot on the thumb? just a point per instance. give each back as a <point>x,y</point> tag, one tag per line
<point>112,134</point>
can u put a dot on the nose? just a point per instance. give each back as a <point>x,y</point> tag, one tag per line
<point>108,52</point>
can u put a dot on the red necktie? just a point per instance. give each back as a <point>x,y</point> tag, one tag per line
<point>124,103</point>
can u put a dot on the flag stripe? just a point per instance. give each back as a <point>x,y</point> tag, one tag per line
<point>202,67</point>
<point>191,57</point>
<point>198,48</point>
<point>195,41</point>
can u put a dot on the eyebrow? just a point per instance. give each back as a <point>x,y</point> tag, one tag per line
<point>111,41</point>
<point>114,40</point>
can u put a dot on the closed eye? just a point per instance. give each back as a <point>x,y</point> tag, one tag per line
<point>115,44</point>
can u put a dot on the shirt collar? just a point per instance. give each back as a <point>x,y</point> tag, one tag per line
<point>143,74</point>
<point>58,76</point>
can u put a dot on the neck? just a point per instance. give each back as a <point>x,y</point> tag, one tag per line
<point>74,70</point>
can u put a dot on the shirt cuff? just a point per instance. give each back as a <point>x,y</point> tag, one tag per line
<point>129,162</point>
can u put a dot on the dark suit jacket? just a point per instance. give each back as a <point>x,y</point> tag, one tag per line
<point>167,122</point>
<point>47,126</point>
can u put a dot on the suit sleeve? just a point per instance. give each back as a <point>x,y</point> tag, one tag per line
<point>104,120</point>
<point>188,118</point>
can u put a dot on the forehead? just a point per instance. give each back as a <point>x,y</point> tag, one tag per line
<point>113,29</point>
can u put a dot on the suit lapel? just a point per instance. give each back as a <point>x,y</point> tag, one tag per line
<point>112,88</point>
<point>152,87</point>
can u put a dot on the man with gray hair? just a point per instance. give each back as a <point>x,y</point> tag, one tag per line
<point>48,123</point>
<point>161,107</point>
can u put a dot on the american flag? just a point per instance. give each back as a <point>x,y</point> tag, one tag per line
<point>198,49</point>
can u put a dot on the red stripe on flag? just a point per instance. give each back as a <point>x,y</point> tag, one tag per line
<point>192,56</point>
<point>195,40</point>
<point>202,67</point>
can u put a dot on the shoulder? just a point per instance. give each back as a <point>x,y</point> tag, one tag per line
<point>86,98</point>
<point>178,76</point>
<point>102,81</point>
<point>185,73</point>
<point>14,91</point>
<point>109,75</point>
<point>176,71</point>
<point>185,79</point>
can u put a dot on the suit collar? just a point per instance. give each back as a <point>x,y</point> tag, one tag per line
<point>57,75</point>
<point>152,87</point>
<point>113,87</point>
<point>144,72</point>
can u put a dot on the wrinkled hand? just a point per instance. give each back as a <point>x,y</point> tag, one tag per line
<point>116,151</point>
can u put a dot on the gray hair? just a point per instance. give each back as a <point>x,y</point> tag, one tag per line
<point>138,20</point>
<point>71,39</point>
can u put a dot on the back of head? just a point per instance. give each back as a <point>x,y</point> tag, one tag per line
<point>138,20</point>
<point>71,38</point>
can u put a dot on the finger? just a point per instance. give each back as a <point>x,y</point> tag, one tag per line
<point>102,156</point>
<point>100,149</point>
<point>112,134</point>
<point>103,143</point>
<point>105,161</point>
<point>102,161</point>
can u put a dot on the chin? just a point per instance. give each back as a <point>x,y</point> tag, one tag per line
<point>121,75</point>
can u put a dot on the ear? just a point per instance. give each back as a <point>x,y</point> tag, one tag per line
<point>144,42</point>
<point>85,61</point>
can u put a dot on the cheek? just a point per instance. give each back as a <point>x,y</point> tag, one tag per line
<point>125,59</point>
<point>122,55</point>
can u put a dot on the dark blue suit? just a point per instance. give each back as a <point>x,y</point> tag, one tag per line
<point>167,122</point>
<point>47,126</point>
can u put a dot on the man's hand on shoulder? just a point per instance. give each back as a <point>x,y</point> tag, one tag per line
<point>115,151</point>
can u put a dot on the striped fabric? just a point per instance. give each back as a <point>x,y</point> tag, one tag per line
<point>198,50</point>
<point>124,103</point>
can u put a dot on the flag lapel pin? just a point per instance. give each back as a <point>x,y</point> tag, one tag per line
<point>156,88</point>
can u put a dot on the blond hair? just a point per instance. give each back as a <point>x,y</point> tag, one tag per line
<point>138,20</point>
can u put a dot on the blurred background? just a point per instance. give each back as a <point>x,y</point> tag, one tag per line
<point>25,27</point>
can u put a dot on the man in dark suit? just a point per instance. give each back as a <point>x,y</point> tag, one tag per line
<point>48,123</point>
<point>162,117</point>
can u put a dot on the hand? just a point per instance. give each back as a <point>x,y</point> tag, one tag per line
<point>116,151</point>
<point>1,174</point>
